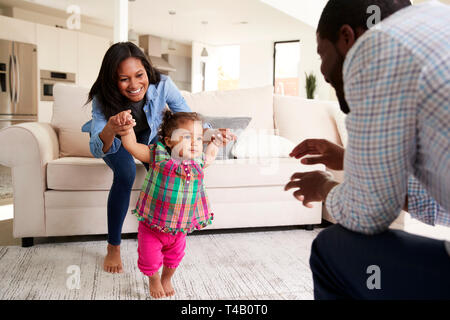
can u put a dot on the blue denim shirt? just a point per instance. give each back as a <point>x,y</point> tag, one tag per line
<point>157,97</point>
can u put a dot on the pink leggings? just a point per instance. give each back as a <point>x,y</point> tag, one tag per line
<point>156,248</point>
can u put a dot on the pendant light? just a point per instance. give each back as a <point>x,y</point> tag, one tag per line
<point>132,35</point>
<point>204,52</point>
<point>171,47</point>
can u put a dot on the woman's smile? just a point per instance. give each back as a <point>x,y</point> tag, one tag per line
<point>132,79</point>
<point>135,92</point>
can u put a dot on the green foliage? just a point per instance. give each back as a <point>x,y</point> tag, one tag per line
<point>311,83</point>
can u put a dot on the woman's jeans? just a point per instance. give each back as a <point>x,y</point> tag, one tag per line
<point>124,170</point>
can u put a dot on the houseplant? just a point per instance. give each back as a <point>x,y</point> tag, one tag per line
<point>310,85</point>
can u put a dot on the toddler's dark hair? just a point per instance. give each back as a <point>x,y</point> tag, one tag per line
<point>171,120</point>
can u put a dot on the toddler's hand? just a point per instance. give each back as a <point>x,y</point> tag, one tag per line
<point>124,118</point>
<point>221,137</point>
<point>122,123</point>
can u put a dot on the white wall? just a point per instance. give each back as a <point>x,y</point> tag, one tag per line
<point>310,62</point>
<point>256,65</point>
<point>211,67</point>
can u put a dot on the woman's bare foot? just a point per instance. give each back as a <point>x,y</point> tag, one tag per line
<point>166,281</point>
<point>113,262</point>
<point>156,289</point>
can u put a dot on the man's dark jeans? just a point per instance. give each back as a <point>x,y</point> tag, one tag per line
<point>391,265</point>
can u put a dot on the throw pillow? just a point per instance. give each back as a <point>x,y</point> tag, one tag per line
<point>236,124</point>
<point>69,114</point>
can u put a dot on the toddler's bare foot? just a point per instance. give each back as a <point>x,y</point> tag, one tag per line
<point>166,281</point>
<point>113,262</point>
<point>167,286</point>
<point>156,288</point>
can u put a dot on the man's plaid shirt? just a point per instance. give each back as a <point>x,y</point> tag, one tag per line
<point>397,85</point>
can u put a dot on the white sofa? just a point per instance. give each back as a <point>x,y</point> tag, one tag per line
<point>61,190</point>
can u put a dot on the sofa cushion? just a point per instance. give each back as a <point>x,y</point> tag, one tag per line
<point>69,114</point>
<point>73,173</point>
<point>254,172</point>
<point>298,119</point>
<point>76,173</point>
<point>256,103</point>
<point>259,144</point>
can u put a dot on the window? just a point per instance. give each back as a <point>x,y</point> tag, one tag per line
<point>228,67</point>
<point>286,67</point>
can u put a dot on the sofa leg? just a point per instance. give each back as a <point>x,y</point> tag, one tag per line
<point>309,227</point>
<point>27,242</point>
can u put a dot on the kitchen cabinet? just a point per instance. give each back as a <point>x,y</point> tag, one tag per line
<point>182,76</point>
<point>57,49</point>
<point>71,51</point>
<point>91,50</point>
<point>68,45</point>
<point>60,50</point>
<point>17,30</point>
<point>48,50</point>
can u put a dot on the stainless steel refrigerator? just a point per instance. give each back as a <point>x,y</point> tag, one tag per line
<point>18,83</point>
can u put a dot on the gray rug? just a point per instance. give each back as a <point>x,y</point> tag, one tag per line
<point>6,190</point>
<point>269,265</point>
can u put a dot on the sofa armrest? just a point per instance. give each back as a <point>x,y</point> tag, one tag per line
<point>27,148</point>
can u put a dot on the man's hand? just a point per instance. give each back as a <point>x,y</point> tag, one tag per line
<point>326,152</point>
<point>312,186</point>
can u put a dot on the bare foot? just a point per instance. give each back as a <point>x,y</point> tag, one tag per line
<point>156,289</point>
<point>168,288</point>
<point>113,262</point>
<point>166,281</point>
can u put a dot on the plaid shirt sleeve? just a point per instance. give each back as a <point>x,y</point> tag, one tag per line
<point>422,206</point>
<point>380,83</point>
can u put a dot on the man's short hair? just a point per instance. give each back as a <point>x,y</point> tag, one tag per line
<point>354,13</point>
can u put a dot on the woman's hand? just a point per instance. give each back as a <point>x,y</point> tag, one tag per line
<point>121,123</point>
<point>326,152</point>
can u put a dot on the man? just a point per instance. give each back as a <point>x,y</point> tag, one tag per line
<point>394,82</point>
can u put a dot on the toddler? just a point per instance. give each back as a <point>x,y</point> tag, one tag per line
<point>173,200</point>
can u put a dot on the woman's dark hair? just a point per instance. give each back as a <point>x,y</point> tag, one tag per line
<point>171,121</point>
<point>105,87</point>
<point>354,13</point>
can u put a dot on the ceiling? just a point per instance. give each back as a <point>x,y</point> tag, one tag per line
<point>224,18</point>
<point>263,19</point>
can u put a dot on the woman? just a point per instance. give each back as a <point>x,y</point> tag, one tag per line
<point>129,94</point>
